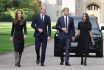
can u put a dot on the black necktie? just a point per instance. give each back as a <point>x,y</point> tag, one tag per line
<point>66,22</point>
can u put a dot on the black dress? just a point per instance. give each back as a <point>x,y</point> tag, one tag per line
<point>18,35</point>
<point>84,38</point>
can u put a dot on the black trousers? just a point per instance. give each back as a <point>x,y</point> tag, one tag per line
<point>41,42</point>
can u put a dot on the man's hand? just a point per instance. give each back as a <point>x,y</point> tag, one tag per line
<point>11,38</point>
<point>49,37</point>
<point>40,30</point>
<point>65,30</point>
<point>73,38</point>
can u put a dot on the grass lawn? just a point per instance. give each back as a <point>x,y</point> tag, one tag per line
<point>6,44</point>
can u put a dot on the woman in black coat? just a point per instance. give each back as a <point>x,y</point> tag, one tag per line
<point>18,34</point>
<point>85,37</point>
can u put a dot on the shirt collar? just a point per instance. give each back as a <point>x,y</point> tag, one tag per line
<point>41,15</point>
<point>65,16</point>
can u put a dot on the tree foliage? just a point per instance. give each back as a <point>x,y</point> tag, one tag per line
<point>19,4</point>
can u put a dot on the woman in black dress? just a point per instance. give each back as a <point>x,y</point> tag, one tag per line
<point>85,36</point>
<point>18,34</point>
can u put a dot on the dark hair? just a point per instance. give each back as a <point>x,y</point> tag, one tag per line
<point>87,21</point>
<point>87,17</point>
<point>16,17</point>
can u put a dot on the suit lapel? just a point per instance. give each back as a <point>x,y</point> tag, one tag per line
<point>63,21</point>
<point>39,17</point>
<point>44,19</point>
<point>69,21</point>
<point>40,20</point>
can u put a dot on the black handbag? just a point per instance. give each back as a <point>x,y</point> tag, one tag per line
<point>91,46</point>
<point>76,38</point>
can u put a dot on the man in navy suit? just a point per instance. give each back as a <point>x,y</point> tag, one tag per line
<point>42,25</point>
<point>65,25</point>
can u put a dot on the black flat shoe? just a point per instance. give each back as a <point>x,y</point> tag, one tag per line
<point>61,63</point>
<point>85,64</point>
<point>37,62</point>
<point>18,65</point>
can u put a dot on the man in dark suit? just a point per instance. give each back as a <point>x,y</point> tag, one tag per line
<point>42,25</point>
<point>65,25</point>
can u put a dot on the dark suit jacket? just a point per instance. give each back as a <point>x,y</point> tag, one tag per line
<point>61,24</point>
<point>38,23</point>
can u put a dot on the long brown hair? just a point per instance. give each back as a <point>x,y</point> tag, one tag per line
<point>16,17</point>
<point>87,17</point>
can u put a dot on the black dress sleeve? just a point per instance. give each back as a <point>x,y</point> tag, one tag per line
<point>25,28</point>
<point>12,30</point>
<point>79,26</point>
<point>90,26</point>
<point>72,28</point>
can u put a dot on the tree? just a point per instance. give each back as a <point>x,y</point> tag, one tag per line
<point>8,7</point>
<point>5,4</point>
<point>18,4</point>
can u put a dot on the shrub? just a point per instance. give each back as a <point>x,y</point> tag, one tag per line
<point>5,17</point>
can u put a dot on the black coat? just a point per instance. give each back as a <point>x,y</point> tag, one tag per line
<point>18,35</point>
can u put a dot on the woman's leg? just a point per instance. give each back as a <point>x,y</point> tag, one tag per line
<point>20,55</point>
<point>16,57</point>
<point>81,58</point>
<point>19,60</point>
<point>85,61</point>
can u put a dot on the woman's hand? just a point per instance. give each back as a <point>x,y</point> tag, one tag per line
<point>93,43</point>
<point>25,36</point>
<point>73,38</point>
<point>11,38</point>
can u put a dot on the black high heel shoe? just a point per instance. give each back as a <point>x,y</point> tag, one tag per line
<point>85,63</point>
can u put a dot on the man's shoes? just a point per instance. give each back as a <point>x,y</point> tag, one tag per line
<point>37,62</point>
<point>18,65</point>
<point>61,63</point>
<point>67,64</point>
<point>42,64</point>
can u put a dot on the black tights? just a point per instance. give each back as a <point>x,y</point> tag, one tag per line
<point>85,56</point>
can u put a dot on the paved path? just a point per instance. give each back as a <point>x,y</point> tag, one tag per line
<point>52,63</point>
